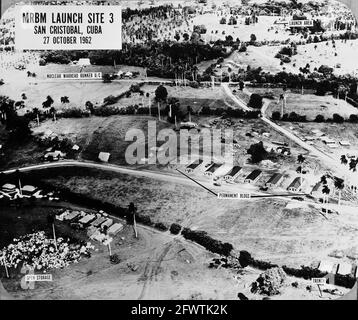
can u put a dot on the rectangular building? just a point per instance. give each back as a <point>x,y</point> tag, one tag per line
<point>253,176</point>
<point>316,190</point>
<point>233,174</point>
<point>193,166</point>
<point>295,185</point>
<point>211,170</point>
<point>274,180</point>
<point>28,190</point>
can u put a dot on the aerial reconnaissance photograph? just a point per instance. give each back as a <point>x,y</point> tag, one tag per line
<point>178,150</point>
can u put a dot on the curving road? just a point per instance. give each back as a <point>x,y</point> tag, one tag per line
<point>167,177</point>
<point>328,160</point>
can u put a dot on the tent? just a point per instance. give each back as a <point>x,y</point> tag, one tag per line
<point>84,62</point>
<point>104,156</point>
<point>115,228</point>
<point>326,266</point>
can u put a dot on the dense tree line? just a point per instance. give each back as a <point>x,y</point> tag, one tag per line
<point>166,59</point>
<point>294,117</point>
<point>17,126</point>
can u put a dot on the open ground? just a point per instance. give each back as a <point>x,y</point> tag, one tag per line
<point>162,262</point>
<point>296,236</point>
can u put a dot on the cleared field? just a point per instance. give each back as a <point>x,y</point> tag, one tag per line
<point>263,57</point>
<point>342,63</point>
<point>107,134</point>
<point>161,262</point>
<point>17,154</point>
<point>202,97</point>
<point>171,260</point>
<point>255,57</point>
<point>96,134</point>
<point>310,105</point>
<point>216,31</point>
<point>337,132</point>
<point>325,55</point>
<point>77,92</point>
<point>187,96</point>
<point>263,227</point>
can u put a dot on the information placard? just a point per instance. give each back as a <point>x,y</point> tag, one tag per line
<point>75,76</point>
<point>62,27</point>
<point>301,23</point>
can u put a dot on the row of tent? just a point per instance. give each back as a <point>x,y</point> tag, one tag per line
<point>94,223</point>
<point>341,268</point>
<point>12,192</point>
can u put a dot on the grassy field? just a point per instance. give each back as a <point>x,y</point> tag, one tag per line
<point>256,57</point>
<point>337,132</point>
<point>263,227</point>
<point>325,55</point>
<point>261,29</point>
<point>77,92</point>
<point>310,105</point>
<point>202,97</point>
<point>187,96</point>
<point>19,153</point>
<point>107,134</point>
<point>161,261</point>
<point>96,134</point>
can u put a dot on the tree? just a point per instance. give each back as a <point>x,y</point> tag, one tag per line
<point>255,101</point>
<point>53,113</point>
<point>106,78</point>
<point>339,185</point>
<point>173,110</point>
<point>353,118</point>
<point>89,106</point>
<point>132,209</point>
<point>257,152</point>
<point>241,85</point>
<point>48,102</point>
<point>18,175</point>
<point>301,159</point>
<point>51,220</point>
<point>337,118</point>
<point>253,38</point>
<point>6,108</point>
<point>326,191</point>
<point>353,165</point>
<point>326,70</point>
<point>245,259</point>
<point>324,180</point>
<point>65,99</point>
<point>18,126</point>
<point>36,112</point>
<point>189,110</point>
<point>319,118</point>
<point>161,93</point>
<point>276,115</point>
<point>344,159</point>
<point>223,20</point>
